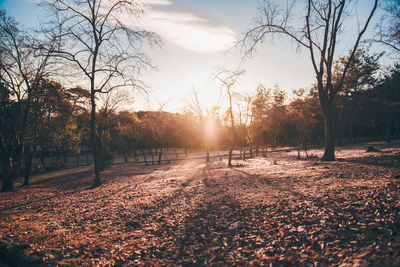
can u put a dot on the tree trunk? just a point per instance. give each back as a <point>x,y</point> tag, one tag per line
<point>159,157</point>
<point>305,148</point>
<point>231,148</point>
<point>43,159</point>
<point>100,150</point>
<point>207,155</point>
<point>329,123</point>
<point>144,157</point>
<point>396,133</point>
<point>94,141</point>
<point>230,157</point>
<point>233,128</point>
<point>28,167</point>
<point>152,156</point>
<point>298,152</point>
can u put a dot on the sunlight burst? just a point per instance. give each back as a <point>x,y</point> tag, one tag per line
<point>210,130</point>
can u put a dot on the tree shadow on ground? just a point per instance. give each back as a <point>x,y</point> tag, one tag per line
<point>388,161</point>
<point>221,230</point>
<point>70,184</point>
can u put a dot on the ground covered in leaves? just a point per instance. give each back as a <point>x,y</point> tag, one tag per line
<point>263,211</point>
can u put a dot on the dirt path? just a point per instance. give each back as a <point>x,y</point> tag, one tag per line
<point>291,212</point>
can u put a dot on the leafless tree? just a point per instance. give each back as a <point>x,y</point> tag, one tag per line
<point>228,80</point>
<point>23,64</point>
<point>319,30</point>
<point>389,25</point>
<point>99,39</point>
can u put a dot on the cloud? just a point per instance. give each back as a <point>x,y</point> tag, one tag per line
<point>188,30</point>
<point>160,2</point>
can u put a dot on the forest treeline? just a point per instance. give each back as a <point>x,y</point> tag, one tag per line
<point>367,108</point>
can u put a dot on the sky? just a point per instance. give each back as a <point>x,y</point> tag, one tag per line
<point>197,38</point>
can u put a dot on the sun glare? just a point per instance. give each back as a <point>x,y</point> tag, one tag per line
<point>210,130</point>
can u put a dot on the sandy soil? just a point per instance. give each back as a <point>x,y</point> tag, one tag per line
<point>263,211</point>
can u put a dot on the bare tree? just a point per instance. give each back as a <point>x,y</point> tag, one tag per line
<point>389,25</point>
<point>99,39</point>
<point>23,65</point>
<point>319,31</point>
<point>228,80</point>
